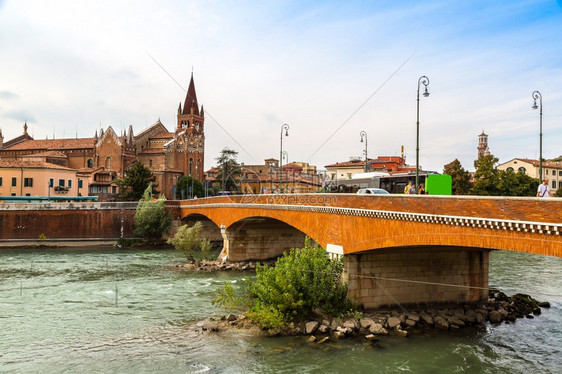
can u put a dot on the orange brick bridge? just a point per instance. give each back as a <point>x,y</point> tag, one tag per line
<point>397,249</point>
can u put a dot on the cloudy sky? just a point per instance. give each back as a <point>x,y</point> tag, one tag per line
<point>329,69</point>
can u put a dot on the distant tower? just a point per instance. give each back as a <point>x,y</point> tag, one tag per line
<point>483,149</point>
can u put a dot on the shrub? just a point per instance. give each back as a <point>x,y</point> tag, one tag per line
<point>302,282</point>
<point>151,218</point>
<point>188,241</point>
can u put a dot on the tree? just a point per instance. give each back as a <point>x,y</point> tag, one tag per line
<point>516,184</point>
<point>460,177</point>
<point>229,170</point>
<point>486,177</point>
<point>185,183</point>
<point>188,241</point>
<point>151,218</point>
<point>135,182</point>
<point>558,192</point>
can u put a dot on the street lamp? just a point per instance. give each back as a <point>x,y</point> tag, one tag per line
<point>286,157</point>
<point>286,128</point>
<point>537,95</point>
<point>425,81</point>
<point>364,135</point>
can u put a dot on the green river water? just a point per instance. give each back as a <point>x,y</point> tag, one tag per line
<point>92,310</point>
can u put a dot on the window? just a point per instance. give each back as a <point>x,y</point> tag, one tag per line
<point>560,184</point>
<point>190,166</point>
<point>509,169</point>
<point>27,194</point>
<point>69,183</point>
<point>149,163</point>
<point>522,170</point>
<point>28,182</point>
<point>51,182</point>
<point>90,163</point>
<point>553,184</point>
<point>14,182</point>
<point>13,194</point>
<point>1,181</point>
<point>79,183</point>
<point>559,173</point>
<point>61,182</point>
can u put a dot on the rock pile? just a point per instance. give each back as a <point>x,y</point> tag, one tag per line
<point>211,266</point>
<point>500,308</point>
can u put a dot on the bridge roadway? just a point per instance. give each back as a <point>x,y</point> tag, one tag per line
<point>404,249</point>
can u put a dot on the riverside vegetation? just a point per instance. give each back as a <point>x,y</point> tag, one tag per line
<point>303,293</point>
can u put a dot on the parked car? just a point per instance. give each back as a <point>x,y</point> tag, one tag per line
<point>373,191</point>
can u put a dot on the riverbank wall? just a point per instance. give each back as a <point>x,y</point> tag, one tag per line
<point>65,223</point>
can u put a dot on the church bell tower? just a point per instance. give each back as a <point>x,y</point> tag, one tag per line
<point>191,130</point>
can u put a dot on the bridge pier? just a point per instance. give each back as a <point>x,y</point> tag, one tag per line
<point>259,239</point>
<point>417,275</point>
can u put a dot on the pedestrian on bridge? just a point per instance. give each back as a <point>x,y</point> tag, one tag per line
<point>544,190</point>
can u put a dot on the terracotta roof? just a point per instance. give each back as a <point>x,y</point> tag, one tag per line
<point>31,165</point>
<point>163,135</point>
<point>48,154</point>
<point>54,144</point>
<point>17,140</point>
<point>347,164</point>
<point>546,164</point>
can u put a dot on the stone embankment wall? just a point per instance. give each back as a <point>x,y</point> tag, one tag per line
<point>55,221</point>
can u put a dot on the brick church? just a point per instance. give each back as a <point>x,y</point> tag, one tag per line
<point>96,162</point>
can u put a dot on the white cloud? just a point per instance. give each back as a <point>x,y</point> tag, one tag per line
<point>259,65</point>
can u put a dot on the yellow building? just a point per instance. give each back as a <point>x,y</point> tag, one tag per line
<point>39,178</point>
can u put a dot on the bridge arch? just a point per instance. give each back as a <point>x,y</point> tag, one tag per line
<point>260,238</point>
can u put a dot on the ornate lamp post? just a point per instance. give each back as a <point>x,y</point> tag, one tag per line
<point>364,135</point>
<point>537,95</point>
<point>286,157</point>
<point>425,81</point>
<point>286,128</point>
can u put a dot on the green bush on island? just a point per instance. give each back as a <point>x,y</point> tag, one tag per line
<point>187,240</point>
<point>151,218</point>
<point>301,284</point>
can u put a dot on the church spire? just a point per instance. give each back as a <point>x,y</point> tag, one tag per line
<point>191,99</point>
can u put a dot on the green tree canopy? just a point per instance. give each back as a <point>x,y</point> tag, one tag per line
<point>135,182</point>
<point>460,177</point>
<point>489,181</point>
<point>229,170</point>
<point>185,183</point>
<point>151,218</point>
<point>486,177</point>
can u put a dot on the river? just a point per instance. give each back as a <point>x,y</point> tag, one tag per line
<point>95,310</point>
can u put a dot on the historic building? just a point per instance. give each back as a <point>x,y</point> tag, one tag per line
<point>171,155</point>
<point>99,160</point>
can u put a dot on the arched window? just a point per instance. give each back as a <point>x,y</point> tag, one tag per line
<point>190,166</point>
<point>90,163</point>
<point>108,163</point>
<point>149,163</point>
<point>509,169</point>
<point>522,170</point>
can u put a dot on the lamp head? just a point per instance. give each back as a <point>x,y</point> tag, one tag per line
<point>361,139</point>
<point>426,92</point>
<point>286,132</point>
<point>535,105</point>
